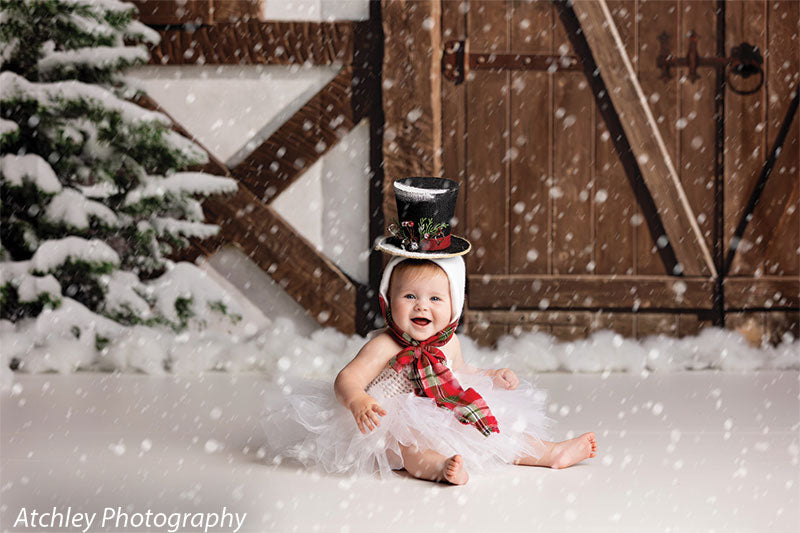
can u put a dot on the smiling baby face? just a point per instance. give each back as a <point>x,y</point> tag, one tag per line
<point>419,296</point>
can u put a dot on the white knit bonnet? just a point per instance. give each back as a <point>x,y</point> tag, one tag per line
<point>456,274</point>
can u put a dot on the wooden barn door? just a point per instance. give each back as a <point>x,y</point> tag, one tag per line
<point>562,239</point>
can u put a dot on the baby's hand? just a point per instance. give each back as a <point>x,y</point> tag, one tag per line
<point>505,378</point>
<point>366,410</point>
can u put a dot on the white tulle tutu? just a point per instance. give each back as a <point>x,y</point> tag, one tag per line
<point>311,426</point>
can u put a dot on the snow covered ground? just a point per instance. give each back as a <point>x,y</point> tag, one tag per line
<point>678,451</point>
<point>699,433</point>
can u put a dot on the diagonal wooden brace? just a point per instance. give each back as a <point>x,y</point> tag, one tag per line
<point>646,142</point>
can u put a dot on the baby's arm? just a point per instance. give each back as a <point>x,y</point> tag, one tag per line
<point>501,377</point>
<point>354,378</point>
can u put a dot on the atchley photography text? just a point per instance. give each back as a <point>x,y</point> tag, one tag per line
<point>115,518</point>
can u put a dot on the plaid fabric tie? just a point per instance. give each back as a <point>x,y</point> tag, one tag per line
<point>432,378</point>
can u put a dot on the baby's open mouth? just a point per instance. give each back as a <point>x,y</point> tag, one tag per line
<point>421,321</point>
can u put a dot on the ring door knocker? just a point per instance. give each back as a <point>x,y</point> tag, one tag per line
<point>745,61</point>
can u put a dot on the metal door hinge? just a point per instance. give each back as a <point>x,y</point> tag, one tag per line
<point>458,60</point>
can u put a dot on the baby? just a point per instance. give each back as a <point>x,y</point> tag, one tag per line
<point>421,306</point>
<point>417,405</point>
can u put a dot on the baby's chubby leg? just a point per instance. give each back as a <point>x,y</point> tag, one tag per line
<point>561,454</point>
<point>433,466</point>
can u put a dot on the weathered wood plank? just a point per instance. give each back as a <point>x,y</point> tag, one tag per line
<point>782,248</point>
<point>656,18</point>
<point>255,42</point>
<point>645,138</point>
<point>656,324</point>
<point>621,323</point>
<point>746,150</point>
<point>235,10</point>
<point>572,229</point>
<point>300,141</point>
<point>698,137</point>
<point>645,292</point>
<point>411,93</point>
<point>516,318</point>
<point>614,200</point>
<point>487,144</point>
<point>531,143</point>
<point>691,324</point>
<point>765,292</point>
<point>487,334</point>
<point>783,76</point>
<point>755,326</point>
<point>573,134</point>
<point>454,116</point>
<point>202,41</point>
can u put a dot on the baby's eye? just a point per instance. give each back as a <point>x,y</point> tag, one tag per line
<point>409,296</point>
<point>436,299</point>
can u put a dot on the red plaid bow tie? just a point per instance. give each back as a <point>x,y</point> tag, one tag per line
<point>433,379</point>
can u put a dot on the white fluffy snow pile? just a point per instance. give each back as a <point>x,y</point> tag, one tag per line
<point>71,337</point>
<point>213,342</point>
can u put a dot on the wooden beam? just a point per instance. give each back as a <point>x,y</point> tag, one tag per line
<point>593,292</point>
<point>647,144</point>
<point>768,292</point>
<point>159,12</point>
<point>236,10</point>
<point>308,135</point>
<point>412,138</point>
<point>256,43</point>
<point>196,12</point>
<point>309,277</point>
<point>767,223</point>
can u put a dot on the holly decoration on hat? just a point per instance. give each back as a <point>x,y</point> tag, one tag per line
<point>427,231</point>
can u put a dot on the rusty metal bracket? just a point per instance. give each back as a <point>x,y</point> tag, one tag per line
<point>745,61</point>
<point>458,60</point>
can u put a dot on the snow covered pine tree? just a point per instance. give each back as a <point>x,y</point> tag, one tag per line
<point>92,199</point>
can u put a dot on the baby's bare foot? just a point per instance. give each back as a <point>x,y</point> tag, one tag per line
<point>454,472</point>
<point>572,451</point>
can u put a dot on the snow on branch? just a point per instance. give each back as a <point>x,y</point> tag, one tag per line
<point>52,254</point>
<point>15,87</point>
<point>8,127</point>
<point>97,57</point>
<point>180,183</point>
<point>100,7</point>
<point>100,190</point>
<point>92,26</point>
<point>74,209</point>
<point>124,295</point>
<point>29,288</point>
<point>138,31</point>
<point>185,146</point>
<point>17,169</point>
<point>184,228</point>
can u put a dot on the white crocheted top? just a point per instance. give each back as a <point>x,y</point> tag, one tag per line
<point>392,383</point>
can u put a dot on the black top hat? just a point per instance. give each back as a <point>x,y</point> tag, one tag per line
<point>425,207</point>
